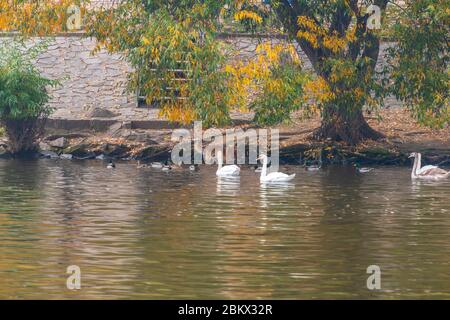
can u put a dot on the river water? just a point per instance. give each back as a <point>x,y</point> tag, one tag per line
<point>148,234</point>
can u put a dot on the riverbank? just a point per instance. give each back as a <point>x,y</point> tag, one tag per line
<point>402,136</point>
<point>148,141</point>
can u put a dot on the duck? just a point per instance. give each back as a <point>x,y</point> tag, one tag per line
<point>426,172</point>
<point>167,166</point>
<point>111,165</point>
<point>156,165</point>
<point>362,170</point>
<point>273,177</point>
<point>141,166</point>
<point>193,167</point>
<point>313,167</point>
<point>226,171</point>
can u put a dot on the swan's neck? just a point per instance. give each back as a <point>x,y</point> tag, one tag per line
<point>419,161</point>
<point>220,159</point>
<point>264,168</point>
<point>417,164</point>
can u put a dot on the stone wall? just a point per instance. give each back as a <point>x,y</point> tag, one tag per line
<point>100,80</point>
<point>87,80</point>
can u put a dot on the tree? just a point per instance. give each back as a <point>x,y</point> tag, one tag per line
<point>23,96</point>
<point>160,38</point>
<point>419,63</point>
<point>177,61</point>
<point>343,51</point>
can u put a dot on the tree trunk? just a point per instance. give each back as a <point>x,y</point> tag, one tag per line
<point>346,126</point>
<point>23,135</point>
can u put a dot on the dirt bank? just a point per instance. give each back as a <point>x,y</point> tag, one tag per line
<point>403,136</point>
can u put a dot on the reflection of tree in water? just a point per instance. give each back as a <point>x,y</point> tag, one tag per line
<point>345,231</point>
<point>370,219</point>
<point>20,195</point>
<point>200,237</point>
<point>178,234</point>
<point>146,233</point>
<point>20,182</point>
<point>248,265</point>
<point>95,209</point>
<point>83,215</point>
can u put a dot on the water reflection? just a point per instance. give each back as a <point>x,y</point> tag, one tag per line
<point>151,234</point>
<point>271,193</point>
<point>228,186</point>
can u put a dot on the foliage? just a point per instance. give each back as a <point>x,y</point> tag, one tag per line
<point>173,46</point>
<point>30,17</point>
<point>420,61</point>
<point>282,94</point>
<point>177,59</point>
<point>23,94</point>
<point>270,84</point>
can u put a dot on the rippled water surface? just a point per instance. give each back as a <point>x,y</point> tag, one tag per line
<point>144,233</point>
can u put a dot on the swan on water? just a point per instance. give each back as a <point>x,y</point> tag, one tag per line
<point>258,169</point>
<point>273,176</point>
<point>426,172</point>
<point>226,171</point>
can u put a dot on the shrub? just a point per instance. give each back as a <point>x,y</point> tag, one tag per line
<point>23,95</point>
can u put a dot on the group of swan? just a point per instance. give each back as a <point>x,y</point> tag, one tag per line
<point>418,172</point>
<point>427,172</point>
<point>233,171</point>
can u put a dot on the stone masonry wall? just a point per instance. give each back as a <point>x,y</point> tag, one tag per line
<point>100,80</point>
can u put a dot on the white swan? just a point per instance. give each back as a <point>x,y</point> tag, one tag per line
<point>427,172</point>
<point>273,176</point>
<point>226,171</point>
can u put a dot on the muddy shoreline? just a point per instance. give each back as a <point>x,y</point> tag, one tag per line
<point>148,146</point>
<point>119,141</point>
